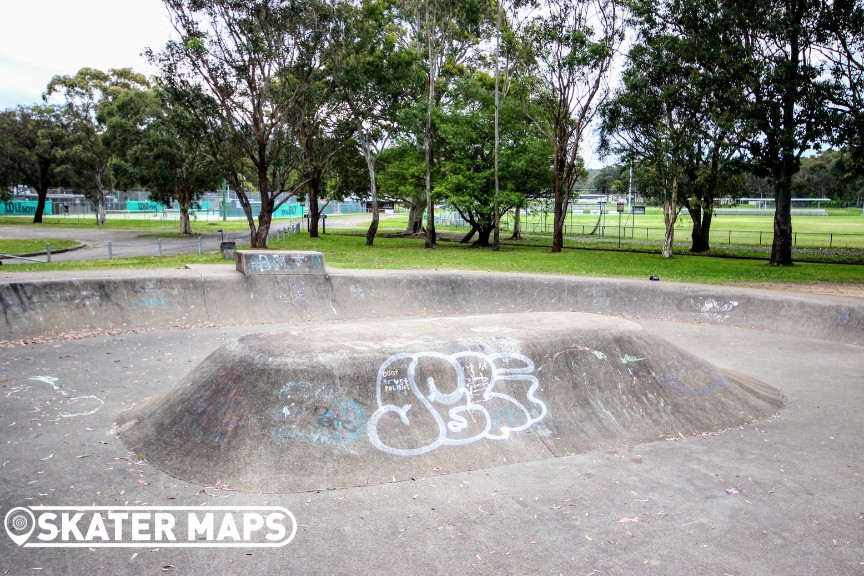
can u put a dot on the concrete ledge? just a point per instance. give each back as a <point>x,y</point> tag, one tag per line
<point>297,262</point>
<point>38,305</point>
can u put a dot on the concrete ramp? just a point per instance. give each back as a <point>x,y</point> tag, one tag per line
<point>345,404</point>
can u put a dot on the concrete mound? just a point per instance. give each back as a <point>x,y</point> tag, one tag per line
<point>346,404</point>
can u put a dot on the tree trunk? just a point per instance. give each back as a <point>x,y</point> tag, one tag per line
<point>415,219</point>
<point>42,196</point>
<point>254,236</point>
<point>483,237</point>
<point>259,238</point>
<point>670,214</point>
<point>101,215</point>
<point>314,212</point>
<point>467,238</point>
<point>427,136</point>
<point>781,248</point>
<point>562,194</point>
<point>373,190</point>
<point>185,224</point>
<point>700,235</point>
<point>517,224</point>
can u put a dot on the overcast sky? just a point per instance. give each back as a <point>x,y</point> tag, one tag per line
<point>40,39</point>
<point>43,38</point>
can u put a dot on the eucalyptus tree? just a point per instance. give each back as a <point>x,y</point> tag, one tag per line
<point>446,35</point>
<point>377,77</point>
<point>251,75</point>
<point>789,95</point>
<point>647,123</point>
<point>83,97</point>
<point>571,47</point>
<point>467,163</point>
<point>158,145</point>
<point>33,139</point>
<point>711,95</point>
<point>843,46</point>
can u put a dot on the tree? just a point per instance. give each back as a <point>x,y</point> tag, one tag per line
<point>789,97</point>
<point>85,95</point>
<point>647,124</point>
<point>844,49</point>
<point>607,180</point>
<point>447,33</point>
<point>402,179</point>
<point>571,46</point>
<point>377,80</point>
<point>467,164</point>
<point>159,146</point>
<point>33,139</point>
<point>251,74</point>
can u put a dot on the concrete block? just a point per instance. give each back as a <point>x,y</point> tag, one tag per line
<point>254,262</point>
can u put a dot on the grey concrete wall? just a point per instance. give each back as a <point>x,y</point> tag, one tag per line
<point>36,306</point>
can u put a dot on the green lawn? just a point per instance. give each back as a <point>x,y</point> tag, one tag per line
<point>35,246</point>
<point>128,222</point>
<point>408,253</point>
<point>840,229</point>
<point>401,253</point>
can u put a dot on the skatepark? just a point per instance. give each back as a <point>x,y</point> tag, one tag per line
<point>432,422</point>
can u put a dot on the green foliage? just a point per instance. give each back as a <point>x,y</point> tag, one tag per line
<point>85,96</point>
<point>465,157</point>
<point>33,140</point>
<point>159,146</point>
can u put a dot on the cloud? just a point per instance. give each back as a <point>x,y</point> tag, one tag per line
<point>43,38</point>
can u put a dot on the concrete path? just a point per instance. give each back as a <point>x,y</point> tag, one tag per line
<point>782,496</point>
<point>124,243</point>
<point>129,243</point>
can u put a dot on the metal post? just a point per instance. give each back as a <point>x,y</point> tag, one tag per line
<point>224,200</point>
<point>110,250</point>
<point>200,247</point>
<point>48,252</point>
<point>159,246</point>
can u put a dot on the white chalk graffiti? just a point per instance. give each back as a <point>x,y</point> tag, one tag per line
<point>470,391</point>
<point>713,308</point>
<point>717,309</point>
<point>95,400</point>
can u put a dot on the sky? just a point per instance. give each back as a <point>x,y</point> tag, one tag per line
<point>40,39</point>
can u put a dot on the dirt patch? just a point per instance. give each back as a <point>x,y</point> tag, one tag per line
<point>850,289</point>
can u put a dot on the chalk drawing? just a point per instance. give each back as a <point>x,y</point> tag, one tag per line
<point>95,401</point>
<point>216,413</point>
<point>270,262</point>
<point>683,378</point>
<point>149,303</point>
<point>470,389</point>
<point>596,353</point>
<point>708,307</point>
<point>313,413</point>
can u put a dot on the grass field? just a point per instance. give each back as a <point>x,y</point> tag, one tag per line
<point>35,246</point>
<point>641,258</point>
<point>344,251</point>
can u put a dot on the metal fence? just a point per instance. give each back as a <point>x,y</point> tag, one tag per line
<point>657,234</point>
